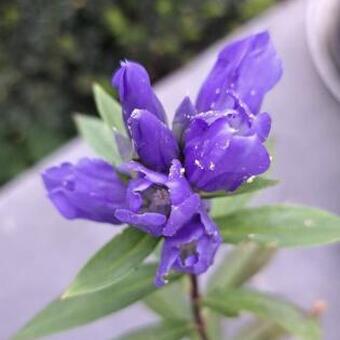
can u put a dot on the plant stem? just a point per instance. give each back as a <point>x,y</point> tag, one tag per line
<point>196,308</point>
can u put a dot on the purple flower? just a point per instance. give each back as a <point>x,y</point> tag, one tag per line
<point>154,143</point>
<point>191,250</point>
<point>90,190</point>
<point>224,149</point>
<point>135,92</point>
<point>156,203</point>
<point>223,142</point>
<point>219,140</point>
<point>250,67</point>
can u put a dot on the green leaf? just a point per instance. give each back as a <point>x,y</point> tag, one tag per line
<point>280,225</point>
<point>109,109</point>
<point>213,325</point>
<point>167,330</point>
<point>66,313</point>
<point>258,183</point>
<point>99,136</point>
<point>261,330</point>
<point>115,260</point>
<point>221,206</point>
<point>239,265</point>
<point>267,307</point>
<point>170,302</point>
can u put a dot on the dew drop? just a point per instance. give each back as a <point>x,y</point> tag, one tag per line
<point>199,164</point>
<point>308,222</point>
<point>251,179</point>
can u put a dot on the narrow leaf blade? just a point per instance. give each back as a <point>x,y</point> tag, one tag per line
<point>258,183</point>
<point>115,260</point>
<point>267,307</point>
<point>240,264</point>
<point>98,135</point>
<point>261,330</point>
<point>63,314</point>
<point>170,302</point>
<point>167,330</point>
<point>280,225</point>
<point>221,206</point>
<point>109,109</point>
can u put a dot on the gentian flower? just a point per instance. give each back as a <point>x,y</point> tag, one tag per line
<point>191,250</point>
<point>135,92</point>
<point>156,203</point>
<point>215,144</point>
<point>224,132</point>
<point>90,190</point>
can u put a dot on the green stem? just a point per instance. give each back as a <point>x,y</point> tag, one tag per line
<point>196,308</point>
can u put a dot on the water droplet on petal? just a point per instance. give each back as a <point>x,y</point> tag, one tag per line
<point>211,166</point>
<point>251,179</point>
<point>199,164</point>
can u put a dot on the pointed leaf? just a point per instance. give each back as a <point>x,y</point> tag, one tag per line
<point>280,225</point>
<point>109,109</point>
<point>267,307</point>
<point>221,206</point>
<point>115,260</point>
<point>167,330</point>
<point>239,265</point>
<point>99,136</point>
<point>256,184</point>
<point>261,330</point>
<point>63,314</point>
<point>170,302</point>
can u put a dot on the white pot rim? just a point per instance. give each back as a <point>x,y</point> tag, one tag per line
<point>320,22</point>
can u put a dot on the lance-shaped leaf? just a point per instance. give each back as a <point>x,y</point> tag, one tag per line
<point>109,109</point>
<point>240,264</point>
<point>99,137</point>
<point>255,184</point>
<point>115,260</point>
<point>170,302</point>
<point>261,330</point>
<point>167,330</point>
<point>267,307</point>
<point>66,313</point>
<point>280,225</point>
<point>221,206</point>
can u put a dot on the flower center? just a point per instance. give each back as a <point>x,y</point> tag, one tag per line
<point>156,199</point>
<point>188,253</point>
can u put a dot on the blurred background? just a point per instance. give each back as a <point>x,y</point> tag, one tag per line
<point>52,51</point>
<point>50,54</point>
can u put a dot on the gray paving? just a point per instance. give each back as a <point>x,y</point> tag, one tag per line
<point>40,252</point>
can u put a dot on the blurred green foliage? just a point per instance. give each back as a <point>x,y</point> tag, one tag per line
<point>52,51</point>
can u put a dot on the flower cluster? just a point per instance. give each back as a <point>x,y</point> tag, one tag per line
<point>215,144</point>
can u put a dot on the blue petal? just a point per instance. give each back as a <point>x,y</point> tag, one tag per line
<point>91,190</point>
<point>192,249</point>
<point>250,66</point>
<point>184,113</point>
<point>153,141</point>
<point>216,159</point>
<point>135,92</point>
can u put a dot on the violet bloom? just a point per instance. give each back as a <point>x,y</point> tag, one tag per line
<point>219,141</point>
<point>90,190</point>
<point>224,131</point>
<point>156,203</point>
<point>191,250</point>
<point>166,206</point>
<point>135,92</point>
